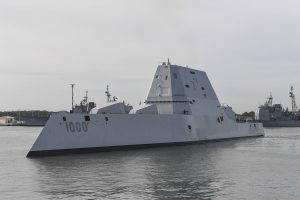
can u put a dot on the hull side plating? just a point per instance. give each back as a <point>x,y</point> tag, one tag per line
<point>117,132</point>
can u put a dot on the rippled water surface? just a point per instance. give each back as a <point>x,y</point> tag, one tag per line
<point>256,168</point>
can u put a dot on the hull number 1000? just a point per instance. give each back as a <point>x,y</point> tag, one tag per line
<point>77,127</point>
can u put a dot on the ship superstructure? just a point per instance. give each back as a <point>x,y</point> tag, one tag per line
<point>181,108</point>
<point>274,115</point>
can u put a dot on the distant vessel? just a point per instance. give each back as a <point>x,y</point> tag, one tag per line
<point>181,108</point>
<point>34,120</point>
<point>274,115</point>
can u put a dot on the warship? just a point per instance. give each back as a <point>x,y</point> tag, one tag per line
<point>274,115</point>
<point>181,108</point>
<point>34,120</point>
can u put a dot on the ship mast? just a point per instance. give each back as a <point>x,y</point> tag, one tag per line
<point>86,97</point>
<point>292,96</point>
<point>269,101</point>
<point>72,86</point>
<point>108,96</point>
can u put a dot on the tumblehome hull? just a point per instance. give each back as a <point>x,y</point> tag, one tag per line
<point>67,133</point>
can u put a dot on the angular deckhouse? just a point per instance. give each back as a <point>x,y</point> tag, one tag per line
<point>181,107</point>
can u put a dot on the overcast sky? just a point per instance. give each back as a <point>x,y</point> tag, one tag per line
<point>247,48</point>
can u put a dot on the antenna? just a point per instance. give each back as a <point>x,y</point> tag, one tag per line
<point>72,86</point>
<point>114,99</point>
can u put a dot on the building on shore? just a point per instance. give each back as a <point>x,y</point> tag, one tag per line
<point>28,118</point>
<point>8,121</point>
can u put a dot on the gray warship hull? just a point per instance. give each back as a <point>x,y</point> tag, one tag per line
<point>281,123</point>
<point>274,115</point>
<point>181,108</point>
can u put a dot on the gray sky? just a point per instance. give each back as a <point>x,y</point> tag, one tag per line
<point>247,48</point>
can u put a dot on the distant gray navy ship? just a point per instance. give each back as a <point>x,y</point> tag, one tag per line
<point>274,115</point>
<point>181,108</point>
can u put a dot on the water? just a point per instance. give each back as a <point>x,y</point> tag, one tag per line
<point>256,168</point>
